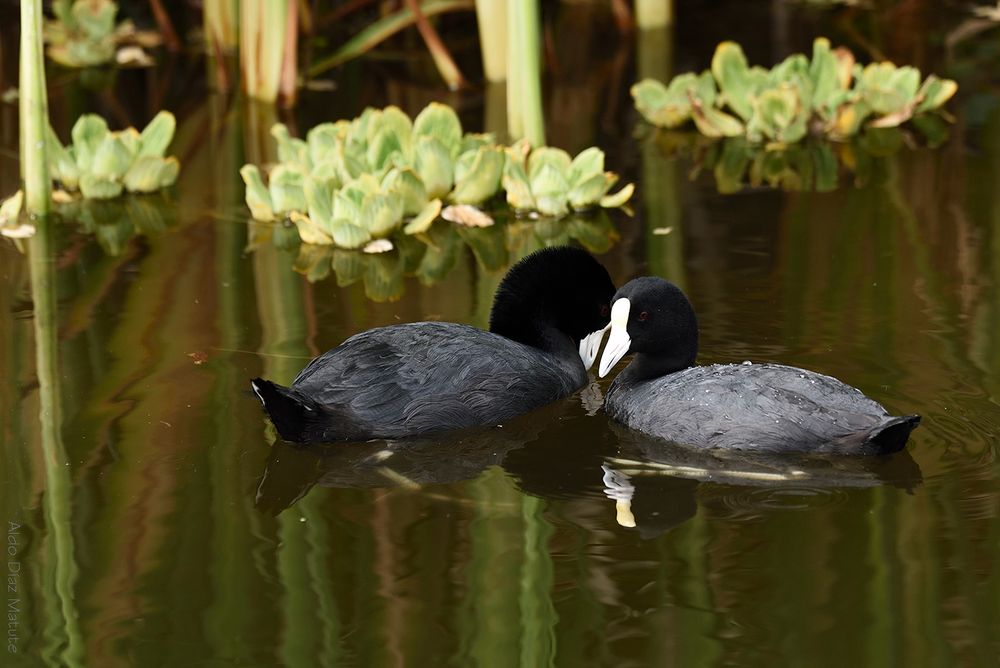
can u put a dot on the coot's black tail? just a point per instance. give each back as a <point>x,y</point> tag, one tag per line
<point>891,436</point>
<point>292,413</point>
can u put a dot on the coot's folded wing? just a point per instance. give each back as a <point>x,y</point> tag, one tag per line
<point>422,377</point>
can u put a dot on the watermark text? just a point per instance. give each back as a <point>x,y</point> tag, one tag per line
<point>15,588</point>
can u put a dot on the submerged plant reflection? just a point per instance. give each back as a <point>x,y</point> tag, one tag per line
<point>115,222</point>
<point>431,255</point>
<point>812,165</point>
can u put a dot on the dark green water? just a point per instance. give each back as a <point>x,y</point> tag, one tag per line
<point>161,525</point>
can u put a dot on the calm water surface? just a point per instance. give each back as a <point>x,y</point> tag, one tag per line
<point>153,520</point>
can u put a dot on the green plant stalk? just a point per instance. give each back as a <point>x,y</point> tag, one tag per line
<point>524,85</point>
<point>58,486</point>
<point>34,112</point>
<point>443,61</point>
<point>288,81</point>
<point>491,16</point>
<point>262,46</point>
<point>381,30</point>
<point>653,13</point>
<point>221,20</point>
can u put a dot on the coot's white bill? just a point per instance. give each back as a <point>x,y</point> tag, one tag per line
<point>619,341</point>
<point>589,345</point>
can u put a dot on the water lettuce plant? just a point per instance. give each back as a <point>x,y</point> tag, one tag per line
<point>548,181</point>
<point>84,33</point>
<point>350,182</point>
<point>101,164</point>
<point>829,95</point>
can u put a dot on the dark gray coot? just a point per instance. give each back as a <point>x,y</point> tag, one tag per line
<point>549,314</point>
<point>750,406</point>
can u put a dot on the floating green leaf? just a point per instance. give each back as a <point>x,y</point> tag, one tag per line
<point>309,231</point>
<point>481,180</point>
<point>287,188</point>
<point>730,69</point>
<point>381,214</point>
<point>157,135</point>
<point>434,165</point>
<point>423,220</point>
<point>95,187</point>
<point>407,186</point>
<point>112,158</point>
<point>319,199</point>
<point>440,122</point>
<point>257,196</point>
<point>348,235</point>
<point>515,183</point>
<point>62,164</point>
<point>148,174</point>
<point>88,134</point>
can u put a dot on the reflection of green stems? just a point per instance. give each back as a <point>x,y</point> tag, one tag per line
<point>34,111</point>
<point>524,84</point>
<point>880,554</point>
<point>228,619</point>
<point>692,544</point>
<point>538,615</point>
<point>282,309</point>
<point>58,487</point>
<point>661,196</point>
<point>487,640</point>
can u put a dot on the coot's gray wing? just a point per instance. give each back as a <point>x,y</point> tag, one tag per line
<point>756,407</point>
<point>419,378</point>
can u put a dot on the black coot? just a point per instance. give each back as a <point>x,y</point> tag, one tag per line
<point>766,407</point>
<point>548,317</point>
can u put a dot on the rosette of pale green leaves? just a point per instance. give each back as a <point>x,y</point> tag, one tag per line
<point>352,181</point>
<point>84,33</point>
<point>549,181</point>
<point>101,164</point>
<point>829,95</point>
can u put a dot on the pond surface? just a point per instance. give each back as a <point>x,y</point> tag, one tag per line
<point>153,520</point>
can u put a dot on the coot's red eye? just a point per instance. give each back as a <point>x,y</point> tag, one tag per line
<point>604,310</point>
<point>644,315</point>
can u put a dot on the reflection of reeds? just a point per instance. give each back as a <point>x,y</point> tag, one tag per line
<point>34,111</point>
<point>538,615</point>
<point>63,641</point>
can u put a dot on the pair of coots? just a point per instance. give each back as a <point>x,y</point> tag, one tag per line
<point>549,316</point>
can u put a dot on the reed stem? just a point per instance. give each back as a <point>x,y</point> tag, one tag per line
<point>34,112</point>
<point>445,64</point>
<point>491,15</point>
<point>653,13</point>
<point>262,46</point>
<point>525,117</point>
<point>221,19</point>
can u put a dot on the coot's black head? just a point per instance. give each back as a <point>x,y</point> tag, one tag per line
<point>563,289</point>
<point>652,317</point>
